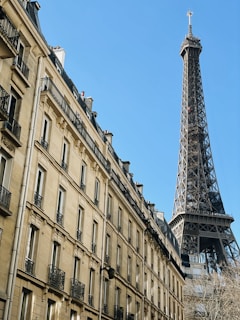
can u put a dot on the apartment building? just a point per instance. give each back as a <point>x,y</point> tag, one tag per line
<point>77,238</point>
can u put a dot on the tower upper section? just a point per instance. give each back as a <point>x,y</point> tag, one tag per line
<point>197,189</point>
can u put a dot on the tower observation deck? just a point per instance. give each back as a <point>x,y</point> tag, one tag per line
<point>199,220</point>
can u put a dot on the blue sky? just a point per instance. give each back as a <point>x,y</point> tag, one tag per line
<point>125,55</point>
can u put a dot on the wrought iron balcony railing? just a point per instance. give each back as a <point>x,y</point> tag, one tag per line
<point>21,65</point>
<point>48,85</point>
<point>38,200</point>
<point>118,313</point>
<point>79,235</point>
<point>59,218</point>
<point>77,289</point>
<point>5,197</point>
<point>44,143</point>
<point>4,101</point>
<point>56,277</point>
<point>14,127</point>
<point>29,265</point>
<point>90,300</point>
<point>105,308</point>
<point>8,31</point>
<point>130,316</point>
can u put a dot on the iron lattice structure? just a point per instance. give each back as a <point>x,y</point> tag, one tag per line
<point>199,220</point>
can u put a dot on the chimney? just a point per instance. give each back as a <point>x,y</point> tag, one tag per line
<point>139,187</point>
<point>89,102</point>
<point>109,136</point>
<point>126,165</point>
<point>60,53</point>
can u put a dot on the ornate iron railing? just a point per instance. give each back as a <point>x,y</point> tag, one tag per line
<point>56,277</point>
<point>14,127</point>
<point>118,313</point>
<point>8,30</point>
<point>29,265</point>
<point>38,200</point>
<point>5,197</point>
<point>18,61</point>
<point>77,289</point>
<point>48,85</point>
<point>4,101</point>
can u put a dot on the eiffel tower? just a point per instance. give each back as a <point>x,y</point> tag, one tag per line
<point>199,220</point>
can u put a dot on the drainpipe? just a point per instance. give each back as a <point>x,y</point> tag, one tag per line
<point>103,250</point>
<point>22,201</point>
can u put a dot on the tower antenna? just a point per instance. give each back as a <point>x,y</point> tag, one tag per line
<point>189,14</point>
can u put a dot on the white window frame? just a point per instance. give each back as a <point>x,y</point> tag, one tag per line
<point>65,154</point>
<point>83,176</point>
<point>97,192</point>
<point>5,170</point>
<point>45,134</point>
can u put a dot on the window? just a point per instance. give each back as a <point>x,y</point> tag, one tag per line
<point>129,305</point>
<point>50,310</point>
<point>65,149</point>
<point>118,259</point>
<point>94,236</point>
<point>145,284</point>
<point>76,268</point>
<point>137,275</point>
<point>25,311</point>
<point>119,222</point>
<point>55,254</point>
<point>145,250</point>
<point>137,312</point>
<point>60,205</point>
<point>129,268</point>
<point>38,195</point>
<point>73,315</point>
<point>31,249</point>
<point>107,249</point>
<point>152,258</point>
<point>45,132</point>
<point>91,287</point>
<point>5,169</point>
<point>117,296</point>
<point>109,207</point>
<point>80,223</point>
<point>5,173</point>
<point>129,231</point>
<point>13,112</point>
<point>96,192</point>
<point>83,176</point>
<point>105,295</point>
<point>138,241</point>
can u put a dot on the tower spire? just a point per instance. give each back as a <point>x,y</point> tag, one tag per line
<point>199,220</point>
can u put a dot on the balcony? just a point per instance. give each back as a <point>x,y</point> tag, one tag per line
<point>21,66</point>
<point>4,101</point>
<point>77,289</point>
<point>79,235</point>
<point>130,316</point>
<point>12,130</point>
<point>8,37</point>
<point>5,197</point>
<point>56,277</point>
<point>38,200</point>
<point>105,309</point>
<point>44,143</point>
<point>29,265</point>
<point>90,300</point>
<point>118,313</point>
<point>59,218</point>
<point>73,117</point>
